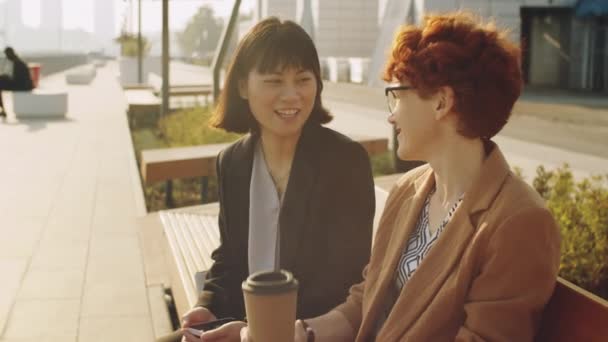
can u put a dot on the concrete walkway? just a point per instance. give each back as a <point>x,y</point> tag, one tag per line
<point>70,257</point>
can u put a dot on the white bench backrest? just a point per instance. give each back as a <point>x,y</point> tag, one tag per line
<point>381,196</point>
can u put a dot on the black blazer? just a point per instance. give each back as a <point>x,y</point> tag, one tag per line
<point>21,76</point>
<point>326,222</point>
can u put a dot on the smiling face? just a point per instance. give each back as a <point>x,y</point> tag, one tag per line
<point>415,120</point>
<point>281,101</point>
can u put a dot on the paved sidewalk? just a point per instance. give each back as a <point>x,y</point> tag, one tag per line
<point>576,122</point>
<point>361,120</point>
<point>70,256</point>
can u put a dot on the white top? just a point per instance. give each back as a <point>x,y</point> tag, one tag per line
<point>264,209</point>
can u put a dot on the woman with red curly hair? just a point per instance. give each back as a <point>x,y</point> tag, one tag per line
<point>465,250</point>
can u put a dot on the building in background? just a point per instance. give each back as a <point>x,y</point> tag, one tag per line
<point>341,28</point>
<point>566,45</point>
<point>3,25</point>
<point>565,42</point>
<point>104,27</point>
<point>400,12</point>
<point>284,9</point>
<point>51,14</point>
<point>345,28</point>
<point>51,24</point>
<point>13,23</point>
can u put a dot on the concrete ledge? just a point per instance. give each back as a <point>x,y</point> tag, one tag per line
<point>40,103</point>
<point>82,75</point>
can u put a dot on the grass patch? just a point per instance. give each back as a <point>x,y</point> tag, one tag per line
<point>186,127</point>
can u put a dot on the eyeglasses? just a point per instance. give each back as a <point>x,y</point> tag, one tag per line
<point>391,97</point>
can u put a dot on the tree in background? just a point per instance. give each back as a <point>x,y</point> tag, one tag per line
<point>200,37</point>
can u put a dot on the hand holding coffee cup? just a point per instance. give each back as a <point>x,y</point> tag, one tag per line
<point>270,304</point>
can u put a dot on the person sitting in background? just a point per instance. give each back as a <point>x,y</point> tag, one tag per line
<point>292,194</point>
<point>465,250</point>
<point>18,77</point>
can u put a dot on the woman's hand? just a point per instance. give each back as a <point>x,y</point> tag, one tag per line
<point>299,334</point>
<point>196,315</point>
<point>229,332</point>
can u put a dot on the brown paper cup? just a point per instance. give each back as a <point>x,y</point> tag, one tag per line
<point>270,303</point>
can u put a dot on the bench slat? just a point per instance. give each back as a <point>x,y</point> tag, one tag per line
<point>191,249</point>
<point>211,236</point>
<point>189,91</point>
<point>181,240</point>
<point>201,226</point>
<point>176,252</point>
<point>191,238</point>
<point>179,162</point>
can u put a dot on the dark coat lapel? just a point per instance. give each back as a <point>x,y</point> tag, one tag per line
<point>403,221</point>
<point>296,203</point>
<point>241,166</point>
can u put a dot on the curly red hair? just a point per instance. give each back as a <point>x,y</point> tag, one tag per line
<point>475,59</point>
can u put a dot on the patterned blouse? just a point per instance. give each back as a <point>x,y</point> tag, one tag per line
<point>418,246</point>
<point>420,242</point>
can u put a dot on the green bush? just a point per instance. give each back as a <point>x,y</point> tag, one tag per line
<point>190,127</point>
<point>383,164</point>
<point>581,211</point>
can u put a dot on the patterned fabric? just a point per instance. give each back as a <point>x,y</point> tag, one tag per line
<point>420,242</point>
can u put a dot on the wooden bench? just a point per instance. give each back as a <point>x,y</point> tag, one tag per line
<point>572,314</point>
<point>143,107</point>
<point>190,239</point>
<point>167,164</point>
<point>180,90</point>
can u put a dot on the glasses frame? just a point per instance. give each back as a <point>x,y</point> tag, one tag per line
<point>390,90</point>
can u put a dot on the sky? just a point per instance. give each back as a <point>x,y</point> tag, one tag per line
<point>79,13</point>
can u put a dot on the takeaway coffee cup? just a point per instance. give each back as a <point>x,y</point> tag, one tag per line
<point>270,303</point>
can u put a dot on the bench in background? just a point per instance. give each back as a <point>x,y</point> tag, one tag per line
<point>143,107</point>
<point>81,75</point>
<point>181,90</point>
<point>167,164</point>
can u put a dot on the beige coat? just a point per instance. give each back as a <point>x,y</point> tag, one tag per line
<point>488,276</point>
